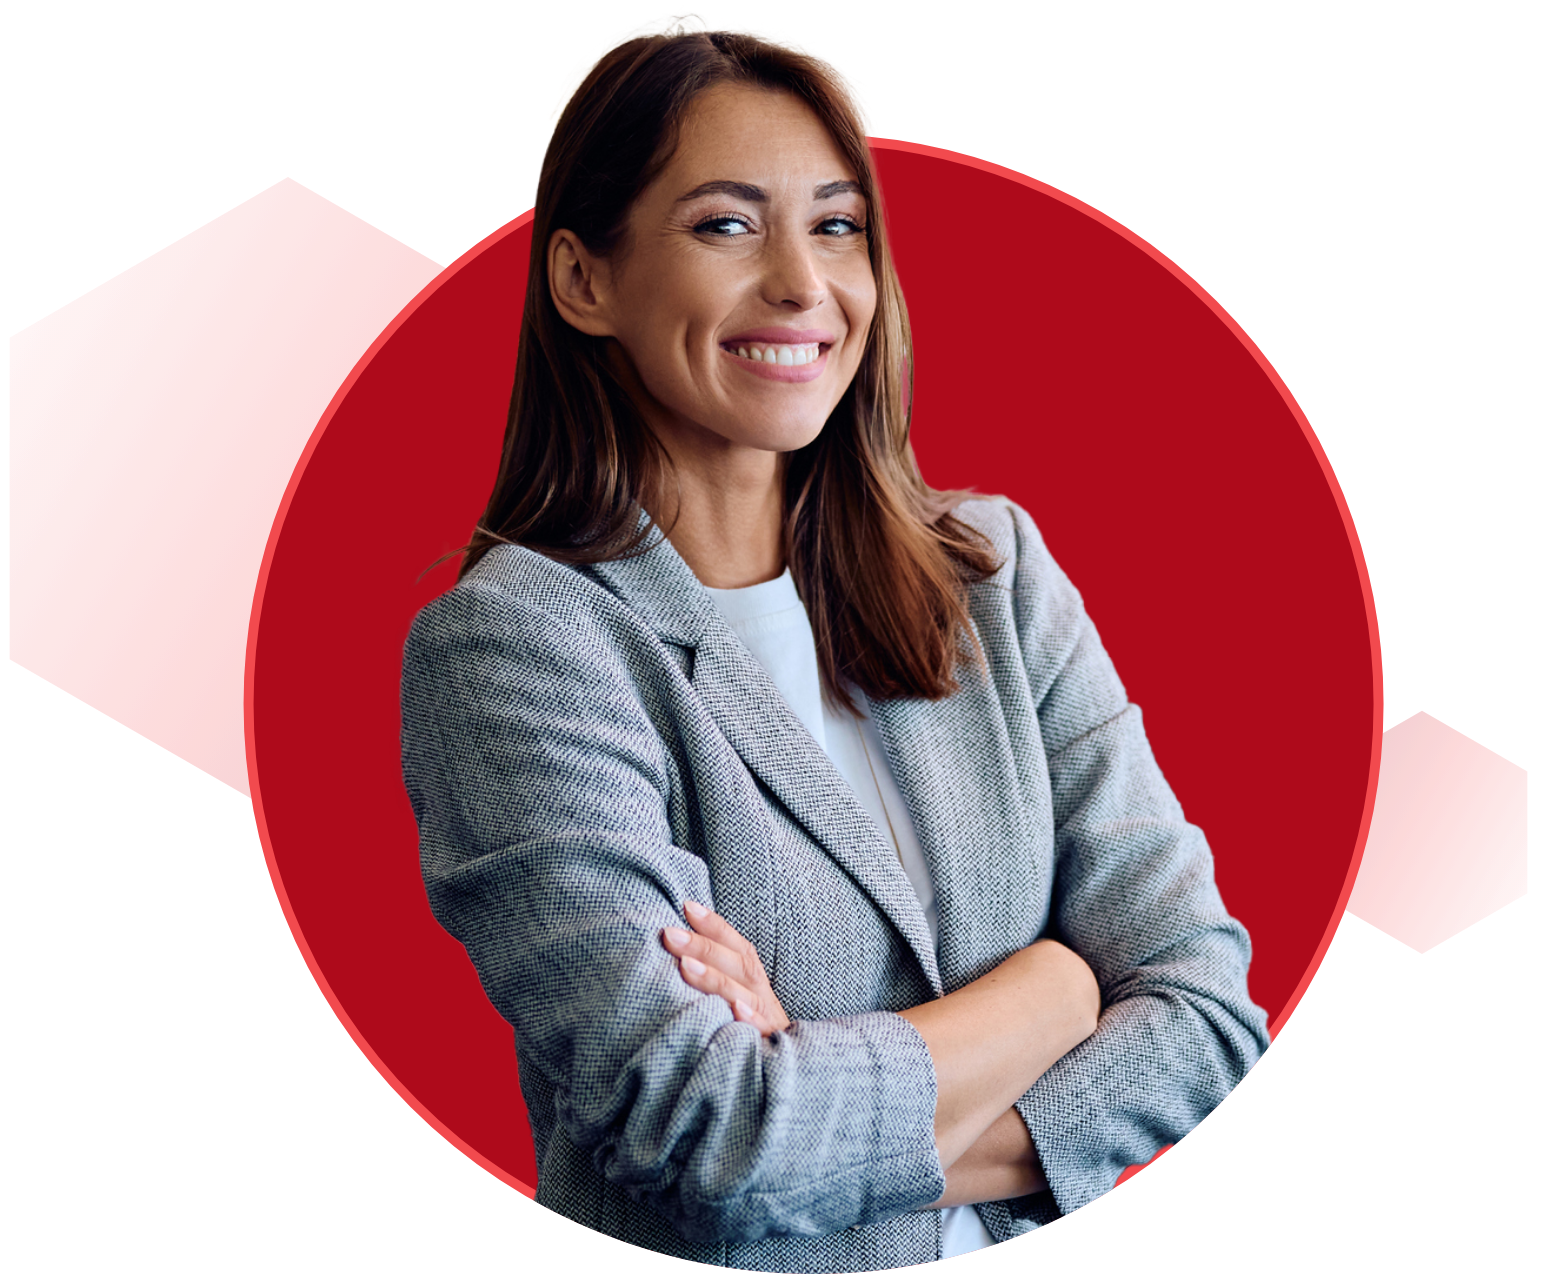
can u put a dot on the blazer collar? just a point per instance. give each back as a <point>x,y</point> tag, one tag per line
<point>661,589</point>
<point>769,737</point>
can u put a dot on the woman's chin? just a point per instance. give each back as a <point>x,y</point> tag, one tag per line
<point>782,435</point>
<point>750,422</point>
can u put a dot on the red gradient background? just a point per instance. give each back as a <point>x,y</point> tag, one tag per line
<point>1143,404</point>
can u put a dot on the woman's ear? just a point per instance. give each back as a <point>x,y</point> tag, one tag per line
<point>580,284</point>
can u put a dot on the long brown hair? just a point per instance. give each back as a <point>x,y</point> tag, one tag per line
<point>878,559</point>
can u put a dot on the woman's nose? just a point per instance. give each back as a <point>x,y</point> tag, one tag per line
<point>793,276</point>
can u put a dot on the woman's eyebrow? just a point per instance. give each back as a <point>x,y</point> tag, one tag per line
<point>755,194</point>
<point>832,188</point>
<point>739,189</point>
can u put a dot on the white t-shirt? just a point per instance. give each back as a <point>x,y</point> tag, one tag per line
<point>769,618</point>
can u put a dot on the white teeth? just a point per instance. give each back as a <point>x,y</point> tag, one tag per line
<point>779,355</point>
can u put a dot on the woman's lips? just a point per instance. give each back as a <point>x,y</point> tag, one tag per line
<point>781,336</point>
<point>781,353</point>
<point>804,362</point>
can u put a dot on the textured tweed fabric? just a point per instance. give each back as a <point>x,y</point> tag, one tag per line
<point>585,749</point>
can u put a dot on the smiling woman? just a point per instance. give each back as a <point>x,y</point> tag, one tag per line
<point>790,810</point>
<point>685,303</point>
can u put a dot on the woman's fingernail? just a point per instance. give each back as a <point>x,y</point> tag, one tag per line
<point>676,937</point>
<point>695,910</point>
<point>743,1011</point>
<point>694,967</point>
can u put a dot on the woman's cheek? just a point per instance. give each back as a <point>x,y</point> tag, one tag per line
<point>860,304</point>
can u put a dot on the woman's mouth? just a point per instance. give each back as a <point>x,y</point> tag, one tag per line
<point>780,353</point>
<point>776,355</point>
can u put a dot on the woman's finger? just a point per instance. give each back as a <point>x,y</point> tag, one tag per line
<point>746,1012</point>
<point>730,950</point>
<point>714,981</point>
<point>708,923</point>
<point>746,966</point>
<point>682,942</point>
<point>743,1002</point>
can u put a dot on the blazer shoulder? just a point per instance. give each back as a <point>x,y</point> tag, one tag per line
<point>520,579</point>
<point>513,587</point>
<point>1015,537</point>
<point>536,581</point>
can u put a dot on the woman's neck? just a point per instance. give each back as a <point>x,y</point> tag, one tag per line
<point>728,522</point>
<point>722,501</point>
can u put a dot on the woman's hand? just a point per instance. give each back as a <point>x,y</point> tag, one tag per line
<point>719,960</point>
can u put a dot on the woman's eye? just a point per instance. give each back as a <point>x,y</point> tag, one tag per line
<point>838,227</point>
<point>723,227</point>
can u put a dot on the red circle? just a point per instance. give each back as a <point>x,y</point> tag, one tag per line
<point>1060,361</point>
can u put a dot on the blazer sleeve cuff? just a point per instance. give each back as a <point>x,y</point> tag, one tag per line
<point>902,1171</point>
<point>1063,1120</point>
<point>870,1156</point>
<point>905,1115</point>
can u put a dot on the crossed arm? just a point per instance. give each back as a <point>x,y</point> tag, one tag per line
<point>989,1041</point>
<point>560,904</point>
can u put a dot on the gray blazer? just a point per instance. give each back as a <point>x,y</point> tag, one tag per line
<point>585,749</point>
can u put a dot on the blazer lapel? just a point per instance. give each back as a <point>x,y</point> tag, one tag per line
<point>954,765</point>
<point>768,736</point>
<point>778,749</point>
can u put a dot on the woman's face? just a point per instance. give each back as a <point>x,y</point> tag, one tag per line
<point>742,293</point>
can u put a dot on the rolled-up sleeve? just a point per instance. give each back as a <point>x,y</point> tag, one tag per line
<point>1135,896</point>
<point>540,785</point>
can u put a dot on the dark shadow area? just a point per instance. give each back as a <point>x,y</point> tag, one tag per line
<point>179,1091</point>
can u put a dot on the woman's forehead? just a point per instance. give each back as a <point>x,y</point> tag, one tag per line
<point>759,139</point>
